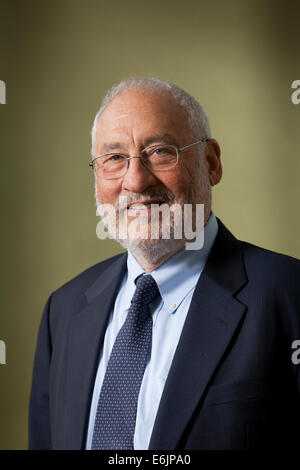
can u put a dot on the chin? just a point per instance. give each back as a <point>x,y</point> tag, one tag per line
<point>151,250</point>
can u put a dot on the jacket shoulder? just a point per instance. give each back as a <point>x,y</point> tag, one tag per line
<point>70,297</point>
<point>262,266</point>
<point>271,263</point>
<point>87,277</point>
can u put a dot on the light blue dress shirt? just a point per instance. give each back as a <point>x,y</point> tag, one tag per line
<point>176,280</point>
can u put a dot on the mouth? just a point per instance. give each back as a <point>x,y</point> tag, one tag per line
<point>144,207</point>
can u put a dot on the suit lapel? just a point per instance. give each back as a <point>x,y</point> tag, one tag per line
<point>86,337</point>
<point>213,317</point>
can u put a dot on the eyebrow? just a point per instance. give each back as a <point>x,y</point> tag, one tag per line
<point>159,138</point>
<point>109,147</point>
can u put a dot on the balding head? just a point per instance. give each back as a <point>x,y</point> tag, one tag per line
<point>196,117</point>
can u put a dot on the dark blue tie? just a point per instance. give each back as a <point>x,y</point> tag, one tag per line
<point>117,405</point>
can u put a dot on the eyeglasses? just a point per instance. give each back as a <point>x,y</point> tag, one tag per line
<point>161,157</point>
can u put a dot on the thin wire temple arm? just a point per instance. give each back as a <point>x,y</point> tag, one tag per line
<point>194,143</point>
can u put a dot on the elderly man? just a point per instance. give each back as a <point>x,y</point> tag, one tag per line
<point>171,345</point>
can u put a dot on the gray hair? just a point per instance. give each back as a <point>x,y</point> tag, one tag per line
<point>196,116</point>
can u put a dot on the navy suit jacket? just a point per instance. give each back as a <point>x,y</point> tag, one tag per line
<point>232,382</point>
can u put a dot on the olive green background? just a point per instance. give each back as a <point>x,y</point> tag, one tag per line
<point>58,57</point>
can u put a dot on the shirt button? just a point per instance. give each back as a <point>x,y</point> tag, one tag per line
<point>172,306</point>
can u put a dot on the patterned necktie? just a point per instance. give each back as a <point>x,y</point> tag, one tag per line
<point>117,405</point>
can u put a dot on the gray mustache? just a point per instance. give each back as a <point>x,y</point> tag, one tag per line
<point>165,196</point>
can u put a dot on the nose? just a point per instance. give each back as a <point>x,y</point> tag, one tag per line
<point>137,178</point>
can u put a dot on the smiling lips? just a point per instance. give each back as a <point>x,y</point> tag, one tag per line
<point>143,207</point>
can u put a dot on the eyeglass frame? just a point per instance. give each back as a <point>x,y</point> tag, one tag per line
<point>178,150</point>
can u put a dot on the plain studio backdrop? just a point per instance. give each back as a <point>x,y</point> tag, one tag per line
<point>57,59</point>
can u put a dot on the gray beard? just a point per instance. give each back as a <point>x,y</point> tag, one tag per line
<point>144,246</point>
<point>149,249</point>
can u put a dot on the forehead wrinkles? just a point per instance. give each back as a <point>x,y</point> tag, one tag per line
<point>138,116</point>
<point>137,103</point>
<point>112,118</point>
<point>121,116</point>
<point>146,121</point>
<point>128,128</point>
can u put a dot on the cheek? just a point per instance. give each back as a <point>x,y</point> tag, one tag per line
<point>179,181</point>
<point>108,190</point>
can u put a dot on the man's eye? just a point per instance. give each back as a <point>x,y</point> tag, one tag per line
<point>116,157</point>
<point>113,158</point>
<point>160,150</point>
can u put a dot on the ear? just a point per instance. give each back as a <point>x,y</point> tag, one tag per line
<point>213,161</point>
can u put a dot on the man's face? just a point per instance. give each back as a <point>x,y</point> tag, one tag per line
<point>134,120</point>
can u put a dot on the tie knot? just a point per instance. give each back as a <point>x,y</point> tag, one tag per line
<point>146,290</point>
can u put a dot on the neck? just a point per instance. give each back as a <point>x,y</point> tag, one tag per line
<point>151,260</point>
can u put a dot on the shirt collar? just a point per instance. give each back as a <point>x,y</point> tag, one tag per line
<point>178,274</point>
